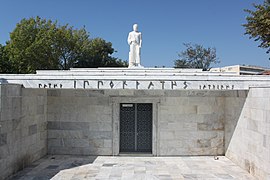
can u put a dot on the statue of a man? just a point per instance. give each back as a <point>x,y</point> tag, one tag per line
<point>135,42</point>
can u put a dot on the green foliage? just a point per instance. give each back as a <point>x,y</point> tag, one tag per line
<point>258,24</point>
<point>5,63</point>
<point>99,55</point>
<point>72,46</point>
<point>31,46</point>
<point>196,56</point>
<point>38,43</point>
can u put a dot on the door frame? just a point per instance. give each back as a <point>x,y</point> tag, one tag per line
<point>116,101</point>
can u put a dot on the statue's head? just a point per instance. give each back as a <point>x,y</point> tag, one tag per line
<point>135,27</point>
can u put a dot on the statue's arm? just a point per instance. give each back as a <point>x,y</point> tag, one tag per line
<point>129,39</point>
<point>140,39</point>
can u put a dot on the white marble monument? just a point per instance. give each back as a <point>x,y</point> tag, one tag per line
<point>135,43</point>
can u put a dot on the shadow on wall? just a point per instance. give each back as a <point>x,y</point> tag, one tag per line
<point>233,109</point>
<point>50,166</point>
<point>3,81</point>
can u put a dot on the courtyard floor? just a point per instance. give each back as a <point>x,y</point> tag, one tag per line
<point>118,167</point>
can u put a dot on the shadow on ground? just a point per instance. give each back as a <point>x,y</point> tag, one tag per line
<point>49,166</point>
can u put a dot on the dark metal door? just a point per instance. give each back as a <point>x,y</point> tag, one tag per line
<point>144,127</point>
<point>136,127</point>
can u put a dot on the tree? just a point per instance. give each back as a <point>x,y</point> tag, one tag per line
<point>196,56</point>
<point>70,45</point>
<point>258,24</point>
<point>31,45</point>
<point>5,63</point>
<point>99,55</point>
<point>38,43</point>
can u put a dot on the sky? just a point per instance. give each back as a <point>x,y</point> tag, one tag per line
<point>165,26</point>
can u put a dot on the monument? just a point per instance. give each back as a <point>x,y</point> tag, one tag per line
<point>135,43</point>
<point>152,111</point>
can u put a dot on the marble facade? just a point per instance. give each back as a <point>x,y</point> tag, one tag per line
<point>77,120</point>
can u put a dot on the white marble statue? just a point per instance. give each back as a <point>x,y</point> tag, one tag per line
<point>135,43</point>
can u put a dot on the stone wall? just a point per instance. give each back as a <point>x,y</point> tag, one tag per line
<point>35,122</point>
<point>194,122</point>
<point>79,122</point>
<point>188,122</point>
<point>250,143</point>
<point>233,109</point>
<point>23,134</point>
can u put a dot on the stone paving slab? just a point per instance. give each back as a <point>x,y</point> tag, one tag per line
<point>121,168</point>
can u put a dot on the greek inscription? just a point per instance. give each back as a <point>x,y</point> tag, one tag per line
<point>84,84</point>
<point>185,85</point>
<point>99,83</point>
<point>50,85</point>
<point>111,84</point>
<point>162,84</point>
<point>150,85</point>
<point>216,87</point>
<point>137,84</point>
<point>221,87</point>
<point>124,84</point>
<point>173,83</point>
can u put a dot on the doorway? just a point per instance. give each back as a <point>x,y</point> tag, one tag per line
<point>136,127</point>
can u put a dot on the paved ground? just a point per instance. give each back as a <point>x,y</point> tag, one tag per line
<point>109,167</point>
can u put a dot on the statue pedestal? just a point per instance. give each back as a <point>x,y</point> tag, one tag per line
<point>136,66</point>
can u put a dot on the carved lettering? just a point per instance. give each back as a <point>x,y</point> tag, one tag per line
<point>204,86</point>
<point>49,85</point>
<point>137,84</point>
<point>221,87</point>
<point>162,84</point>
<point>124,84</point>
<point>84,84</point>
<point>150,84</point>
<point>99,83</point>
<point>111,84</point>
<point>185,85</point>
<point>216,87</point>
<point>173,83</point>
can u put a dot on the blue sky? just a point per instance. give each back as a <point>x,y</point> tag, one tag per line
<point>165,25</point>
